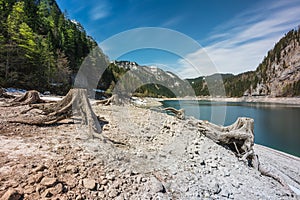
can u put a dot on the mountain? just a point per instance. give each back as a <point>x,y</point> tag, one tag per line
<point>129,77</point>
<point>277,75</point>
<point>40,48</point>
<point>205,85</point>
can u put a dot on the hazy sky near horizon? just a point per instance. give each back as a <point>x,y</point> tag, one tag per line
<point>234,34</point>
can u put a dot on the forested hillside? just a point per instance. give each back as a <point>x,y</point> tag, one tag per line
<point>142,81</point>
<point>277,75</point>
<point>40,48</point>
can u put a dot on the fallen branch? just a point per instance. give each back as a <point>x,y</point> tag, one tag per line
<point>180,114</point>
<point>108,101</point>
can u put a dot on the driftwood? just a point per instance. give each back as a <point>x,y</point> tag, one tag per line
<point>76,101</point>
<point>239,137</point>
<point>30,97</point>
<point>107,101</point>
<point>115,99</point>
<point>180,114</point>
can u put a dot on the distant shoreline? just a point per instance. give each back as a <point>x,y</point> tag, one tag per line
<point>277,100</point>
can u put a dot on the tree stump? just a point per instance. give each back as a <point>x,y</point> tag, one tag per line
<point>30,97</point>
<point>75,102</point>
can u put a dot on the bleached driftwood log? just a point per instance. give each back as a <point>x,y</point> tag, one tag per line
<point>180,114</point>
<point>239,137</point>
<point>75,101</point>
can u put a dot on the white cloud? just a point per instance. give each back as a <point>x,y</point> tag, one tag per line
<point>172,21</point>
<point>99,12</point>
<point>240,44</point>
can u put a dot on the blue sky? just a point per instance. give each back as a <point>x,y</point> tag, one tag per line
<point>234,34</point>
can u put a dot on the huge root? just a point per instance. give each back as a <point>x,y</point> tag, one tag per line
<point>75,102</point>
<point>239,137</point>
<point>115,99</point>
<point>108,101</point>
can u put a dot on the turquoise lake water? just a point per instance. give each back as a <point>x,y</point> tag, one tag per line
<point>275,125</point>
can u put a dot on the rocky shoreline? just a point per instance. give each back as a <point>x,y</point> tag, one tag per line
<point>155,156</point>
<point>291,101</point>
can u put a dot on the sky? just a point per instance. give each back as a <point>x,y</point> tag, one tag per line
<point>189,38</point>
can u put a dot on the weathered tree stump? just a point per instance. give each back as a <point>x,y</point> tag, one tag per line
<point>180,114</point>
<point>30,97</point>
<point>76,101</point>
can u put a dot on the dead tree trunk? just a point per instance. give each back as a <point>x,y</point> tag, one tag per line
<point>76,101</point>
<point>30,97</point>
<point>180,114</point>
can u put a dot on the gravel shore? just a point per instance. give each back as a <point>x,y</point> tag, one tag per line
<point>260,99</point>
<point>155,156</point>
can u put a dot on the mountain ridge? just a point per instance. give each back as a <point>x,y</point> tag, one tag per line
<point>278,75</point>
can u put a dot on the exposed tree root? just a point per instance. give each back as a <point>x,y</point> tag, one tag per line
<point>180,114</point>
<point>76,101</point>
<point>108,101</point>
<point>115,99</point>
<point>239,137</point>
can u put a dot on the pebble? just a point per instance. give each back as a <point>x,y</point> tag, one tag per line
<point>48,182</point>
<point>156,186</point>
<point>104,182</point>
<point>113,193</point>
<point>89,183</point>
<point>216,189</point>
<point>40,168</point>
<point>72,168</point>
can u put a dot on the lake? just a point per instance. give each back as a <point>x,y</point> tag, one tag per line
<point>275,125</point>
